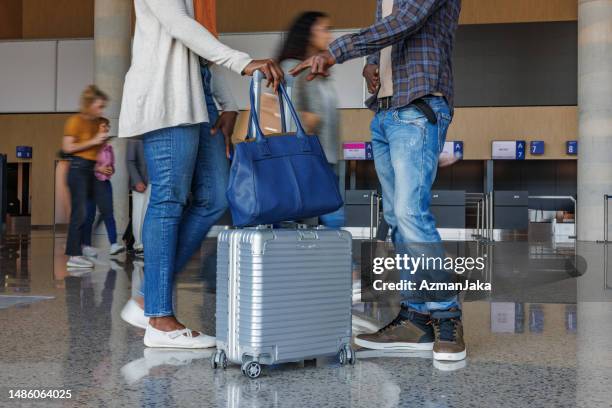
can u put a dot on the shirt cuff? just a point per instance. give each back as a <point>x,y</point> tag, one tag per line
<point>242,63</point>
<point>230,107</point>
<point>341,48</point>
<point>373,59</point>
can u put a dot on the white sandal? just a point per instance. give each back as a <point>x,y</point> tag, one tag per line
<point>177,339</point>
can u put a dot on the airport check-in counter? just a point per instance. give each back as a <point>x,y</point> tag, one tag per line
<point>358,208</point>
<point>448,208</point>
<point>511,210</point>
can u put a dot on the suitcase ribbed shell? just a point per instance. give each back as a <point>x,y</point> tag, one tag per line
<point>283,295</point>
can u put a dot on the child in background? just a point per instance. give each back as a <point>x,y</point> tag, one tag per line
<point>103,193</point>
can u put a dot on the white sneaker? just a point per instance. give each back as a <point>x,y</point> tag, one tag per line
<point>116,249</point>
<point>78,272</point>
<point>115,266</point>
<point>177,339</point>
<point>134,315</point>
<point>79,262</point>
<point>90,252</point>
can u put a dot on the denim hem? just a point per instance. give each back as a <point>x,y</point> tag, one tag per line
<point>159,314</point>
<point>412,309</point>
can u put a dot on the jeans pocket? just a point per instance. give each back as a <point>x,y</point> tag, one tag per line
<point>409,116</point>
<point>444,121</point>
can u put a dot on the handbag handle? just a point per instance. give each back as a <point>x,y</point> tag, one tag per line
<point>283,97</point>
<point>258,76</point>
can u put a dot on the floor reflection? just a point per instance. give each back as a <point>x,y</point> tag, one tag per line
<point>542,337</point>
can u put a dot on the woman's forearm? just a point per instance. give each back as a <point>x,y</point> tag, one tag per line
<point>70,147</point>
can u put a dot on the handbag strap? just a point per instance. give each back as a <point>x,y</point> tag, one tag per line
<point>252,122</point>
<point>283,98</point>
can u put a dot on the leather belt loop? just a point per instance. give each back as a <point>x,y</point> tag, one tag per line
<point>422,105</point>
<point>384,103</point>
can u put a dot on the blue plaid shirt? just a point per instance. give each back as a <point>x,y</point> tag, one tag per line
<point>422,33</point>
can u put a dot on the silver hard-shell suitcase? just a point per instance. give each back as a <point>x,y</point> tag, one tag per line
<point>283,295</point>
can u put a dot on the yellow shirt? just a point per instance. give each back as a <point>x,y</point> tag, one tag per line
<point>82,130</point>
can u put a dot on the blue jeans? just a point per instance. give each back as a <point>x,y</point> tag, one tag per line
<point>180,160</point>
<point>406,147</point>
<point>103,193</point>
<point>80,181</point>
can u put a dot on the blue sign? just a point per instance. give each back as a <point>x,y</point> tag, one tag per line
<point>571,147</point>
<point>369,153</point>
<point>458,149</point>
<point>24,152</point>
<point>520,149</point>
<point>537,147</point>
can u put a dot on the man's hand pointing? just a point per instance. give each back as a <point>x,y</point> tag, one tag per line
<point>319,65</point>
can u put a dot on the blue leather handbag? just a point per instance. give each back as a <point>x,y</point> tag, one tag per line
<point>279,178</point>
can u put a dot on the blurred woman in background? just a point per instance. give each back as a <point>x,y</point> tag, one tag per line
<point>103,191</point>
<point>316,100</point>
<point>84,134</point>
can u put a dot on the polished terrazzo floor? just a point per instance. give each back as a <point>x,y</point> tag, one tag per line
<point>542,338</point>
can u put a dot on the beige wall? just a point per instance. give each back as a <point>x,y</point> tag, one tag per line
<point>43,132</point>
<point>10,18</point>
<point>58,18</point>
<point>517,11</point>
<point>274,15</point>
<point>74,18</point>
<point>478,127</point>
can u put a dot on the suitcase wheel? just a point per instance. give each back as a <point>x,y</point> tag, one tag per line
<point>347,355</point>
<point>251,369</point>
<point>218,359</point>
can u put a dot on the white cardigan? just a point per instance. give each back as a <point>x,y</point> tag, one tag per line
<point>163,86</point>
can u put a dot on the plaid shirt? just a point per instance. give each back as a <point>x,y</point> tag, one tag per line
<point>422,33</point>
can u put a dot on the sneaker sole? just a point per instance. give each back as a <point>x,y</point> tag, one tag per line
<point>450,356</point>
<point>73,265</point>
<point>117,252</point>
<point>393,346</point>
<point>449,366</point>
<point>175,346</point>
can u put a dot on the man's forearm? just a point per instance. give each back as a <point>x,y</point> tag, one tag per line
<point>390,30</point>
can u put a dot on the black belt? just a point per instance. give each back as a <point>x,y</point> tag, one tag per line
<point>420,103</point>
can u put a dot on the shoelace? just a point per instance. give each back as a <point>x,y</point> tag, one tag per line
<point>393,323</point>
<point>445,330</point>
<point>177,333</point>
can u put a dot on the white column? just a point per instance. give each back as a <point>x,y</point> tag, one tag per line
<point>112,38</point>
<point>595,114</point>
<point>594,325</point>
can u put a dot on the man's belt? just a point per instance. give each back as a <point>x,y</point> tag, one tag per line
<point>420,103</point>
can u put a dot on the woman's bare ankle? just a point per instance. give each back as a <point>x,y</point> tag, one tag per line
<point>165,323</point>
<point>168,324</point>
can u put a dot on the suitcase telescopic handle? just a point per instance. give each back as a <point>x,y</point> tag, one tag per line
<point>288,124</point>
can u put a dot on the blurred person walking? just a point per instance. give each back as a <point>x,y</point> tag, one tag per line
<point>164,101</point>
<point>103,193</point>
<point>141,190</point>
<point>84,134</point>
<point>316,101</point>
